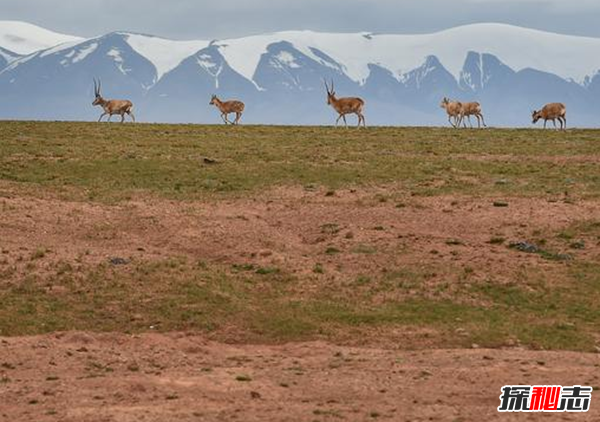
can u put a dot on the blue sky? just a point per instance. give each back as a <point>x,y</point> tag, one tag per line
<point>188,19</point>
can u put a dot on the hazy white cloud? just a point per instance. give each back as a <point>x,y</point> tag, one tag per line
<point>187,19</point>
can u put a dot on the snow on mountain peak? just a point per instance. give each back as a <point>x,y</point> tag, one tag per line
<point>24,38</point>
<point>520,48</point>
<point>7,56</point>
<point>570,57</point>
<point>164,54</point>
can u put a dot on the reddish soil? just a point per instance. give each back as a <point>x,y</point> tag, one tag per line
<point>293,229</point>
<point>82,377</point>
<point>88,377</point>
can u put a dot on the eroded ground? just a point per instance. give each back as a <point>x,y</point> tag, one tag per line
<point>298,274</point>
<point>84,377</point>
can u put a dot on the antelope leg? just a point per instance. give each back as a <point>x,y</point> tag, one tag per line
<point>482,120</point>
<point>338,120</point>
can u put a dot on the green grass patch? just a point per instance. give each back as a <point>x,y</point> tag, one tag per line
<point>161,296</point>
<point>97,162</point>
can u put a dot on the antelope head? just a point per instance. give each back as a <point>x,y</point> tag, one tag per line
<point>213,100</point>
<point>330,93</point>
<point>444,102</point>
<point>98,96</point>
<point>536,115</point>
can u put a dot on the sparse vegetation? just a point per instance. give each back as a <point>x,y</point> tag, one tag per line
<point>190,298</point>
<point>254,296</point>
<point>82,161</point>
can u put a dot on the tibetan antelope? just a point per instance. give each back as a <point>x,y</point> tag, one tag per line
<point>552,112</point>
<point>228,107</point>
<point>112,107</point>
<point>454,110</point>
<point>345,106</point>
<point>472,109</point>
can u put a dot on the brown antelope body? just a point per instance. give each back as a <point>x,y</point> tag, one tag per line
<point>552,112</point>
<point>228,107</point>
<point>472,109</point>
<point>112,107</point>
<point>344,106</point>
<point>454,110</point>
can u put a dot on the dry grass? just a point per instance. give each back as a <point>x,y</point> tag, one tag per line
<point>443,301</point>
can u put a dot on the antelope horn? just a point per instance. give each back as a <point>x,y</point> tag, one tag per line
<point>95,88</point>
<point>332,87</point>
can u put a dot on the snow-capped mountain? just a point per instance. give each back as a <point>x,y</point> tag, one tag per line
<point>24,38</point>
<point>510,70</point>
<point>7,57</point>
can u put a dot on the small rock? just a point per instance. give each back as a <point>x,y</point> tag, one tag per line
<point>500,204</point>
<point>255,395</point>
<point>580,244</point>
<point>524,247</point>
<point>207,160</point>
<point>118,261</point>
<point>461,332</point>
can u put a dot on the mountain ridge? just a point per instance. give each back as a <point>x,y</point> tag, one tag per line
<point>407,73</point>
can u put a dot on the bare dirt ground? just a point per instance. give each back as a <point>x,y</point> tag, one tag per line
<point>178,377</point>
<point>293,229</point>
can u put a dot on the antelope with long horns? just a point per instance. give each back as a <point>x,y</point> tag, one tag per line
<point>112,107</point>
<point>228,107</point>
<point>454,110</point>
<point>552,112</point>
<point>344,106</point>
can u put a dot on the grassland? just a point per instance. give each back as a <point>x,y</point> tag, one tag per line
<point>114,162</point>
<point>350,284</point>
